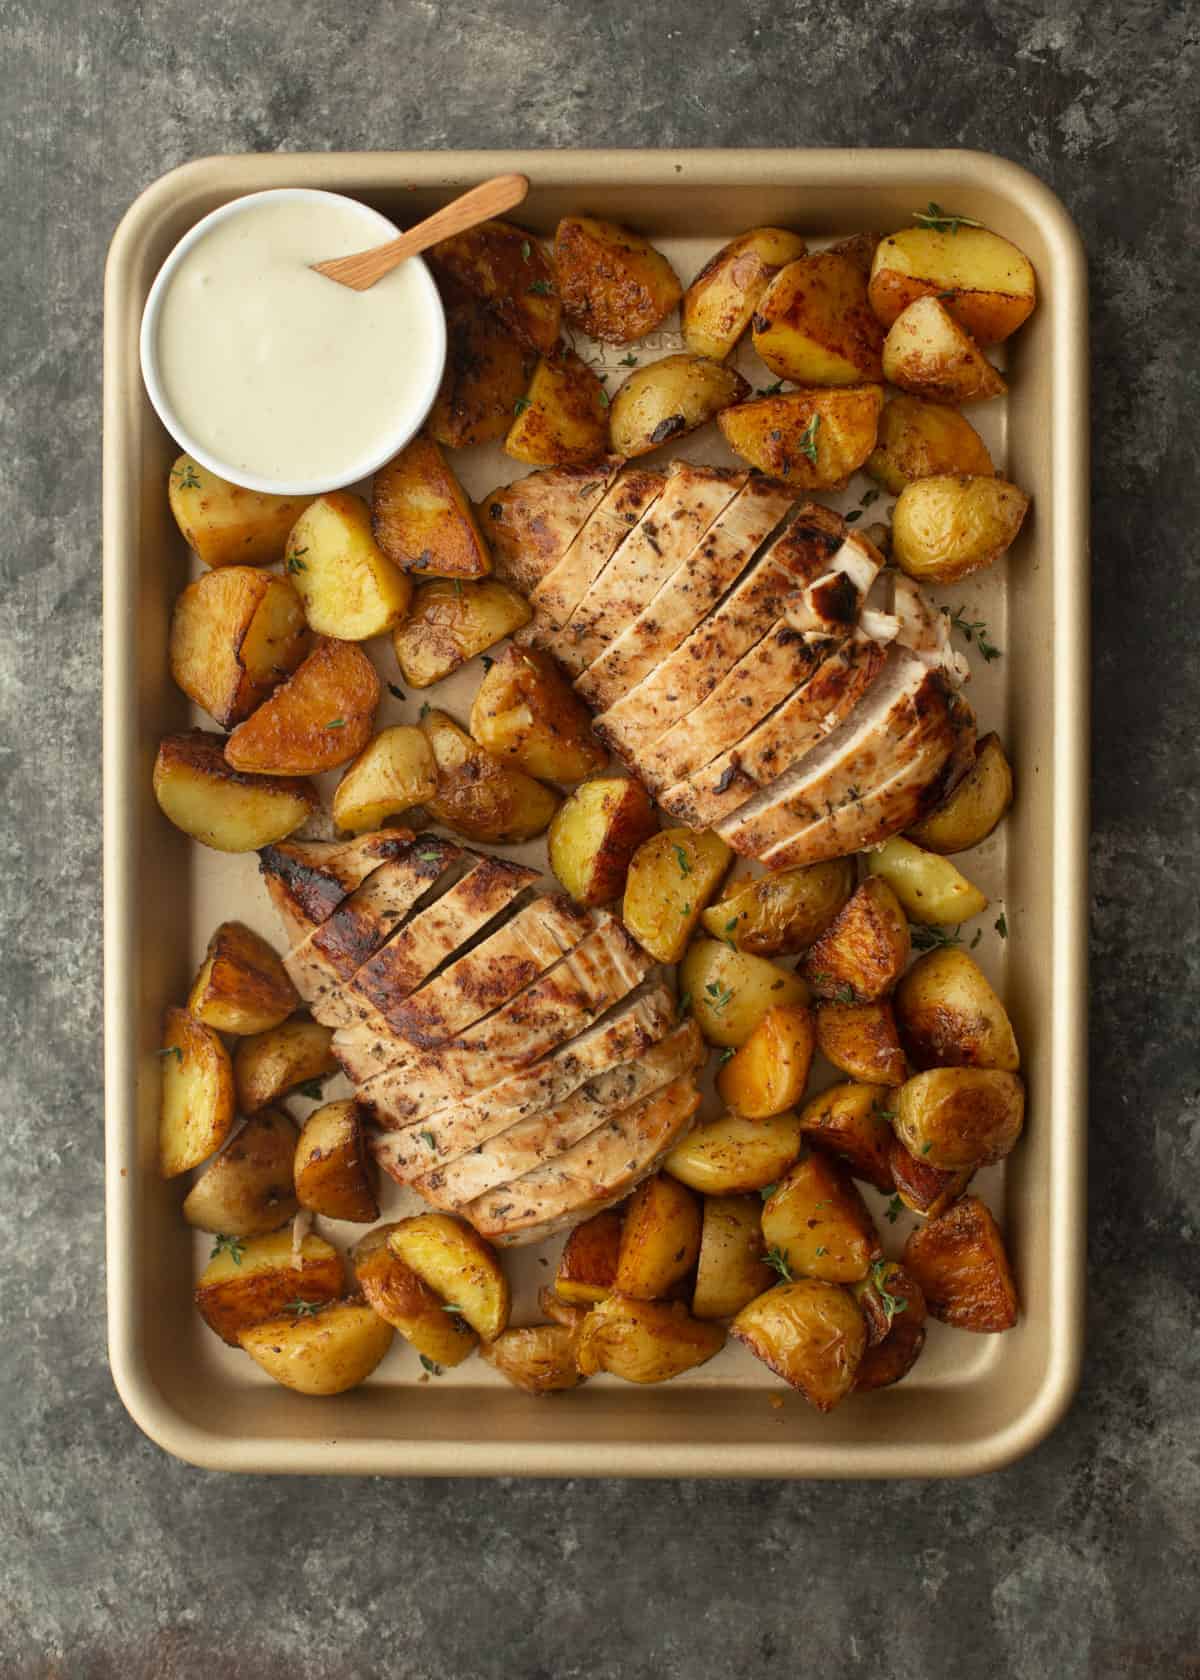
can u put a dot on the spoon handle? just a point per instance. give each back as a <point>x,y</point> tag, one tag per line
<point>480,204</point>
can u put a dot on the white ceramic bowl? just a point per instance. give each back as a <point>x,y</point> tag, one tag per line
<point>376,230</point>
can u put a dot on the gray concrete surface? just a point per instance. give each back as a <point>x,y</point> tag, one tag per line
<point>118,1564</point>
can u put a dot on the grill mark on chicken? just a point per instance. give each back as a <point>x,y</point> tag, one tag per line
<point>307,879</point>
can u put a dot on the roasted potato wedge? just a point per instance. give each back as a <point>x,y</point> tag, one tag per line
<point>450,622</point>
<point>920,439</point>
<point>562,420</point>
<point>768,1074</point>
<point>660,1238</point>
<point>853,1122</point>
<point>959,1260</point>
<point>559,1311</point>
<point>985,282</point>
<point>458,1265</point>
<point>862,1039</point>
<point>268,1064</point>
<point>730,991</point>
<point>930,889</point>
<point>541,1359</point>
<point>730,1270</point>
<point>335,1172</point>
<point>394,772</point>
<point>816,1221</point>
<point>422,518</point>
<point>350,588</point>
<point>487,370</point>
<point>525,710</point>
<point>667,399</point>
<point>927,353</point>
<point>924,1189</point>
<point>945,528</point>
<point>880,1307</point>
<point>587,1267</point>
<point>721,300</point>
<point>196,1108</point>
<point>221,807</point>
<point>509,271</point>
<point>477,795</point>
<point>858,248</point>
<point>319,718</point>
<point>248,1190</point>
<point>320,1351</point>
<point>671,878</point>
<point>957,1117</point>
<point>246,1283</point>
<point>773,915</point>
<point>813,439</point>
<point>731,1155</point>
<point>398,1295</point>
<point>235,634</point>
<point>594,835</point>
<point>645,1341</point>
<point>895,1297</point>
<point>812,1334</point>
<point>974,808</point>
<point>224,524</point>
<point>242,986</point>
<point>949,1016</point>
<point>813,323</point>
<point>863,951</point>
<point>614,285</point>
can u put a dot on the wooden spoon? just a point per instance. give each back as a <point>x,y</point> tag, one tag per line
<point>361,269</point>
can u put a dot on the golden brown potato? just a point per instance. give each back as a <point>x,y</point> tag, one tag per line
<point>268,1064</point>
<point>927,353</point>
<point>221,807</point>
<point>862,1039</point>
<point>487,370</point>
<point>813,323</point>
<point>559,1311</point>
<point>816,1221</point>
<point>986,283</point>
<point>812,1334</point>
<point>945,528</point>
<point>924,1189</point>
<point>930,889</point>
<point>242,986</point>
<point>862,952</point>
<point>949,1016</point>
<point>224,524</point>
<point>731,1155</point>
<point>235,634</point>
<point>880,1307</point>
<point>509,271</point>
<point>196,1108</point>
<point>246,1283</point>
<point>660,1238</point>
<point>960,1263</point>
<point>783,912</point>
<point>730,991</point>
<point>813,439</point>
<point>645,1341</point>
<point>923,440</point>
<point>719,303</point>
<point>335,1173</point>
<point>479,797</point>
<point>526,710</point>
<point>957,1117</point>
<point>458,1265</point>
<point>398,1295</point>
<point>858,248</point>
<point>896,1297</point>
<point>853,1122</point>
<point>665,400</point>
<point>768,1074</point>
<point>450,622</point>
<point>540,1359</point>
<point>671,878</point>
<point>587,1267</point>
<point>594,835</point>
<point>321,1350</point>
<point>394,772</point>
<point>614,285</point>
<point>974,808</point>
<point>319,718</point>
<point>562,420</point>
<point>248,1190</point>
<point>730,1270</point>
<point>422,518</point>
<point>350,589</point>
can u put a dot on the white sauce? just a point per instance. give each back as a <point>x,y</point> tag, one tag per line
<point>278,371</point>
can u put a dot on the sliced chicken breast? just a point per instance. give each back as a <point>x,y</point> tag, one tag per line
<point>307,879</point>
<point>530,523</point>
<point>830,603</point>
<point>628,498</point>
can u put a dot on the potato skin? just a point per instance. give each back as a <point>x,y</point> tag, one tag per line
<point>990,282</point>
<point>196,1107</point>
<point>853,1122</point>
<point>949,1016</point>
<point>817,1220</point>
<point>660,1238</point>
<point>225,524</point>
<point>719,303</point>
<point>326,1352</point>
<point>398,1295</point>
<point>892,1355</point>
<point>781,435</point>
<point>667,399</point>
<point>813,323</point>
<point>948,527</point>
<point>645,1341</point>
<point>450,622</point>
<point>487,370</point>
<point>730,1270</point>
<point>587,1267</point>
<point>350,588</point>
<point>929,888</point>
<point>394,772</point>
<point>422,518</point>
<point>776,914</point>
<point>319,718</point>
<point>235,634</point>
<point>456,1262</point>
<point>919,439</point>
<point>730,991</point>
<point>614,285</point>
<point>562,420</point>
<point>268,1064</point>
<point>810,1333</point>
<point>594,835</point>
<point>242,986</point>
<point>246,1283</point>
<point>975,807</point>
<point>248,1191</point>
<point>928,354</point>
<point>540,1359</point>
<point>732,1155</point>
<point>960,1262</point>
<point>863,951</point>
<point>960,1117</point>
<point>336,1175</point>
<point>478,796</point>
<point>924,1189</point>
<point>507,269</point>
<point>526,710</point>
<point>671,878</point>
<point>218,806</point>
<point>862,1039</point>
<point>770,1071</point>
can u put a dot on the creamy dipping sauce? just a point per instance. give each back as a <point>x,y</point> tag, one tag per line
<point>283,374</point>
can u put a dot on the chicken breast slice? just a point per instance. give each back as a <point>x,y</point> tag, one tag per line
<point>831,602</point>
<point>630,496</point>
<point>306,880</point>
<point>530,523</point>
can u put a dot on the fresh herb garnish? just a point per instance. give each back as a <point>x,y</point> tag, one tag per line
<point>893,1210</point>
<point>336,723</point>
<point>974,630</point>
<point>771,390</point>
<point>943,221</point>
<point>1001,925</point>
<point>398,693</point>
<point>808,440</point>
<point>721,995</point>
<point>869,496</point>
<point>629,361</point>
<point>428,1139</point>
<point>294,562</point>
<point>732,923</point>
<point>685,909</point>
<point>540,288</point>
<point>429,1365</point>
<point>853,515</point>
<point>233,1246</point>
<point>927,1147</point>
<point>681,859</point>
<point>185,475</point>
<point>977,938</point>
<point>303,1309</point>
<point>778,1261</point>
<point>884,1113</point>
<point>726,1055</point>
<point>926,937</point>
<point>487,662</point>
<point>685,1004</point>
<point>426,708</point>
<point>605,399</point>
<point>429,857</point>
<point>521,404</point>
<point>768,1190</point>
<point>526,250</point>
<point>820,1251</point>
<point>311,1089</point>
<point>172,1050</point>
<point>892,1304</point>
<point>452,1307</point>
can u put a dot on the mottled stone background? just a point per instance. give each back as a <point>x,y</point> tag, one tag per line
<point>116,1561</point>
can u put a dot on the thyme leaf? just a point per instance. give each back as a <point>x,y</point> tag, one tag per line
<point>943,221</point>
<point>778,1262</point>
<point>233,1246</point>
